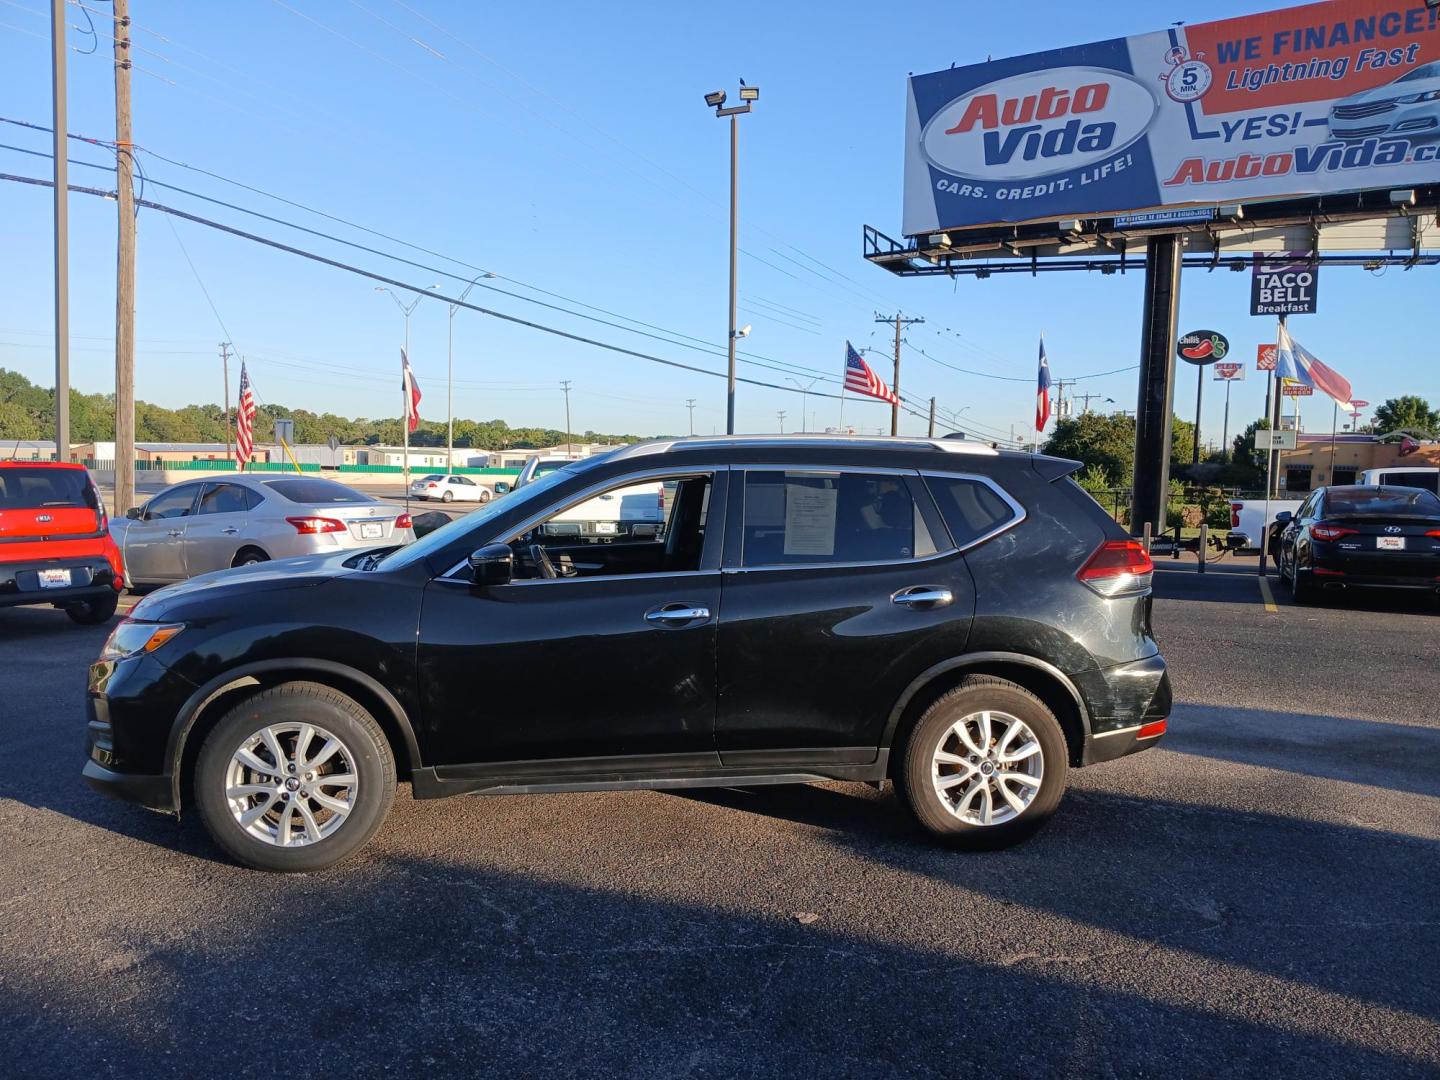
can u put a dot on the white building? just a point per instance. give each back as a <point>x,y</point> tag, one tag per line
<point>421,457</point>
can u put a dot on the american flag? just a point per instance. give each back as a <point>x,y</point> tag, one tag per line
<point>411,390</point>
<point>1042,391</point>
<point>244,420</point>
<point>859,379</point>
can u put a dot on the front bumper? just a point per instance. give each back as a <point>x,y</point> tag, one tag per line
<point>130,711</point>
<point>91,578</point>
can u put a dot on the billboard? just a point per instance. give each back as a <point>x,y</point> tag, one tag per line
<point>1285,285</point>
<point>1329,97</point>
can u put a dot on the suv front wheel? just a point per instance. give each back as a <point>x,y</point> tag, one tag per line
<point>984,767</point>
<point>294,778</point>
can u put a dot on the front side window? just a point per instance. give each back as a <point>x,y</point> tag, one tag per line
<point>653,526</point>
<point>172,504</point>
<point>804,517</point>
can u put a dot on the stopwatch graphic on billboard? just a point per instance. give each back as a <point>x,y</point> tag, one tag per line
<point>1328,97</point>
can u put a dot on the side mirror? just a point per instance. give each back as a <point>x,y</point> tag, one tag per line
<point>493,564</point>
<point>1284,517</point>
<point>134,513</point>
<point>501,487</point>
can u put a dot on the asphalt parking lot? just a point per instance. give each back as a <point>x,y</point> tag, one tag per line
<point>1255,896</point>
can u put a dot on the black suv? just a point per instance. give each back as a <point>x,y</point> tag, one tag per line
<point>964,622</point>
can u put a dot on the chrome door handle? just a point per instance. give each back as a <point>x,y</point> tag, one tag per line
<point>230,530</point>
<point>177,532</point>
<point>676,614</point>
<point>923,596</point>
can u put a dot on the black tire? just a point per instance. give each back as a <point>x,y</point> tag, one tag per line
<point>484,496</point>
<point>249,557</point>
<point>448,497</point>
<point>1301,589</point>
<point>94,612</point>
<point>297,702</point>
<point>914,784</point>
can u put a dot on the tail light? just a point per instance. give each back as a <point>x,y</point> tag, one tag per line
<point>1118,568</point>
<point>311,526</point>
<point>1330,532</point>
<point>1235,514</point>
<point>404,521</point>
<point>1435,533</point>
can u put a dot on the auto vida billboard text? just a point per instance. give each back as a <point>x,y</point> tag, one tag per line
<point>1328,97</point>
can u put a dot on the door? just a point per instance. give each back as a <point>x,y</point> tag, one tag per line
<point>154,544</point>
<point>218,527</point>
<point>841,587</point>
<point>614,658</point>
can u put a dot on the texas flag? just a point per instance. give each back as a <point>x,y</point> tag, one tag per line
<point>1299,365</point>
<point>1042,393</point>
<point>412,393</point>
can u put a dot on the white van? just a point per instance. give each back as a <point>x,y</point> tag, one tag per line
<point>1399,476</point>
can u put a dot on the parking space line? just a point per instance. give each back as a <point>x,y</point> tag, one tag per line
<point>1267,595</point>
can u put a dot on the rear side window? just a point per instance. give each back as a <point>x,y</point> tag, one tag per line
<point>310,490</point>
<point>796,518</point>
<point>971,509</point>
<point>23,489</point>
<point>1381,501</point>
<point>227,499</point>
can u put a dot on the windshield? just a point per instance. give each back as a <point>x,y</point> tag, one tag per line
<point>311,490</point>
<point>1424,71</point>
<point>33,488</point>
<point>534,492</point>
<point>1382,502</point>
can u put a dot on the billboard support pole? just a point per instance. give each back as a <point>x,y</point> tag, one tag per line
<point>1199,397</point>
<point>1272,463</point>
<point>1153,407</point>
<point>1225,430</point>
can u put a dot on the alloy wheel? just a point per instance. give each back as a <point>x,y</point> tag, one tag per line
<point>987,768</point>
<point>291,784</point>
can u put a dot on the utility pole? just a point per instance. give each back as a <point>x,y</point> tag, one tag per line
<point>1061,409</point>
<point>781,415</point>
<point>565,385</point>
<point>225,366</point>
<point>124,269</point>
<point>931,431</point>
<point>1086,398</point>
<point>60,123</point>
<point>900,322</point>
<point>690,404</point>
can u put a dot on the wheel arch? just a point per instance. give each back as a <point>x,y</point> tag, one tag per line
<point>248,545</point>
<point>1041,678</point>
<point>208,704</point>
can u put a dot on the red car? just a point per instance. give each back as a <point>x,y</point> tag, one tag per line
<point>55,545</point>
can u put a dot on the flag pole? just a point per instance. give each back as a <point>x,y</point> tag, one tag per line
<point>405,419</point>
<point>844,369</point>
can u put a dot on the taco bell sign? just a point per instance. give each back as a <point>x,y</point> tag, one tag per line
<point>1284,284</point>
<point>1329,97</point>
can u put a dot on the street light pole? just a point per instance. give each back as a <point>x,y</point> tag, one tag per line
<point>450,379</point>
<point>404,388</point>
<point>804,397</point>
<point>690,404</point>
<point>716,100</point>
<point>569,444</point>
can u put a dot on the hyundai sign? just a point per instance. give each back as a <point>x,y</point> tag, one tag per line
<point>1329,97</point>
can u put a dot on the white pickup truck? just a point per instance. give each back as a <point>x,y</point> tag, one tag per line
<point>632,512</point>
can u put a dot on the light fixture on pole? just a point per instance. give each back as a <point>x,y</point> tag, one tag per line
<point>450,376</point>
<point>716,100</point>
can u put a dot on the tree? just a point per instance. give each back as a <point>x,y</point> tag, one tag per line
<point>1408,413</point>
<point>1107,442</point>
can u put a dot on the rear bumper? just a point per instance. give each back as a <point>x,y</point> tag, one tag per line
<point>1367,571</point>
<point>1132,711</point>
<point>20,581</point>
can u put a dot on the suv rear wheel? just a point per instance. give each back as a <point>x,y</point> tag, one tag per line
<point>295,778</point>
<point>985,766</point>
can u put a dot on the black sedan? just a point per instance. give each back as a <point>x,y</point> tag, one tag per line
<point>1361,536</point>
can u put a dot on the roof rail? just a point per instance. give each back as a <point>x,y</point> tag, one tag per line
<point>874,442</point>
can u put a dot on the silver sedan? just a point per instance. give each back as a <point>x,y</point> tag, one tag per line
<point>234,520</point>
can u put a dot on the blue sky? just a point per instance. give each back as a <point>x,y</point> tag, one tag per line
<point>566,146</point>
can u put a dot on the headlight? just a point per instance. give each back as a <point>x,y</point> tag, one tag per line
<point>130,638</point>
<point>1415,99</point>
